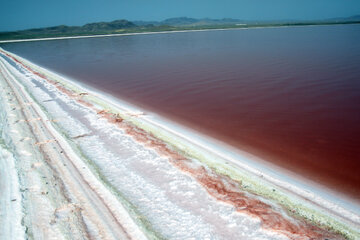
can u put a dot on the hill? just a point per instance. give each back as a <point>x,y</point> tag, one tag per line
<point>185,21</point>
<point>170,24</point>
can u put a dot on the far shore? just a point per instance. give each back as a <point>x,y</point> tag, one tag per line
<point>178,30</point>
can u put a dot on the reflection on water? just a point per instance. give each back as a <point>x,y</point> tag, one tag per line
<point>288,95</point>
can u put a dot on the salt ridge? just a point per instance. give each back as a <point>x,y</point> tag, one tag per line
<point>224,154</point>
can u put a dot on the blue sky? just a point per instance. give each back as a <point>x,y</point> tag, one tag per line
<point>23,14</point>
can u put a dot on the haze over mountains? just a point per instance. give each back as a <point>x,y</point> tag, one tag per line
<point>125,24</point>
<point>176,22</point>
<point>171,24</point>
<point>185,21</point>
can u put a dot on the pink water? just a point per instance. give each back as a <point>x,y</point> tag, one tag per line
<point>289,95</point>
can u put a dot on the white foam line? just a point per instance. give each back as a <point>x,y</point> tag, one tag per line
<point>227,153</point>
<point>144,33</point>
<point>164,32</point>
<point>241,160</point>
<point>237,157</point>
<point>122,34</point>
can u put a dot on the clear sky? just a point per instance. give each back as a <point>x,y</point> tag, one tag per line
<point>23,14</point>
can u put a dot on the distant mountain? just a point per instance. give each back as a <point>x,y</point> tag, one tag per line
<point>170,24</point>
<point>181,21</point>
<point>146,23</point>
<point>185,21</point>
<point>117,24</point>
<point>88,28</point>
<point>355,18</point>
<point>123,24</point>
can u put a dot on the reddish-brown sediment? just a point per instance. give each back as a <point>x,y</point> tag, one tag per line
<point>222,188</point>
<point>225,189</point>
<point>56,84</point>
<point>292,104</point>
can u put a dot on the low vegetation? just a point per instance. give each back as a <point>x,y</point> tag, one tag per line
<point>172,24</point>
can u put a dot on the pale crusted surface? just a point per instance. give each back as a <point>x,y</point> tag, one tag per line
<point>58,191</point>
<point>166,198</point>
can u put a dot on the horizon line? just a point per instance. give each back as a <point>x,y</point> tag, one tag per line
<point>159,21</point>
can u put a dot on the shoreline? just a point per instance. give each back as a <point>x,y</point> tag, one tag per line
<point>168,32</point>
<point>45,204</point>
<point>245,160</point>
<point>222,160</point>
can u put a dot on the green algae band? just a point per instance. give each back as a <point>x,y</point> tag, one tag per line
<point>284,206</point>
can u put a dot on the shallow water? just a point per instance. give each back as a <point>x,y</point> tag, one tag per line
<point>288,95</point>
